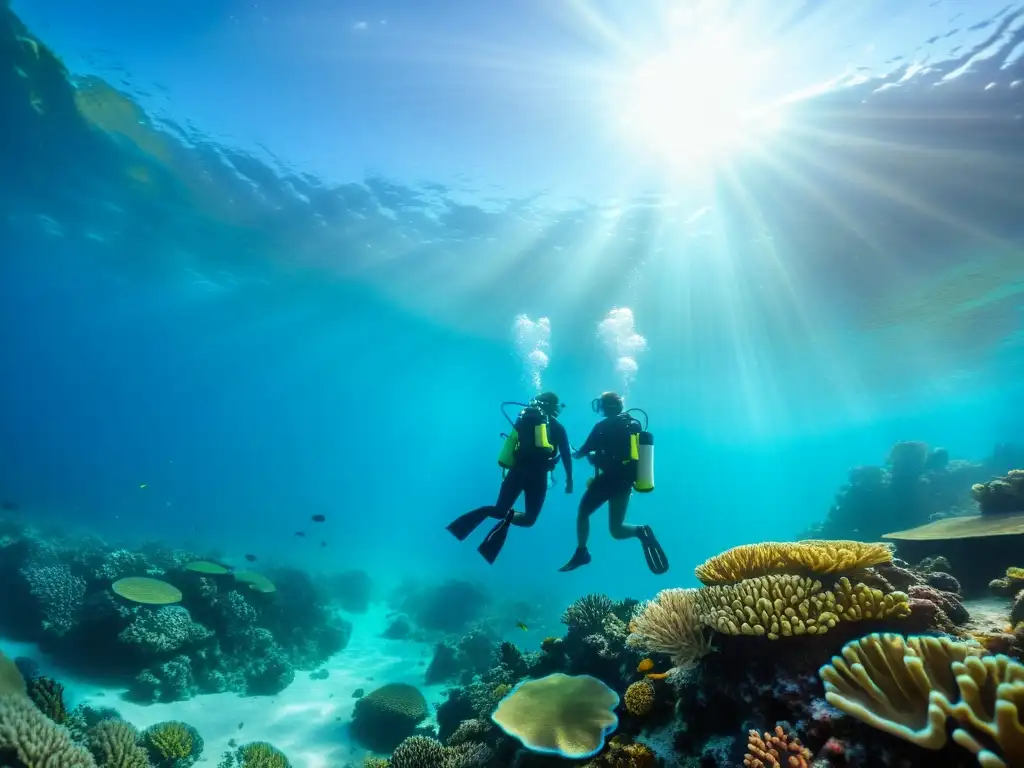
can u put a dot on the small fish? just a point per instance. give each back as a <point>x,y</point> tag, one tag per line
<point>300,534</point>
<point>657,675</point>
<point>240,726</point>
<point>143,485</point>
<point>250,558</point>
<point>645,665</point>
<point>522,625</point>
<point>318,518</point>
<point>323,543</point>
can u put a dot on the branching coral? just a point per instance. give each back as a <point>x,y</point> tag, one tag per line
<point>785,605</point>
<point>114,743</point>
<point>260,754</point>
<point>163,630</point>
<point>809,556</point>
<point>173,744</point>
<point>29,738</point>
<point>60,594</point>
<point>424,752</point>
<point>48,695</point>
<point>775,750</point>
<point>669,624</point>
<point>911,687</point>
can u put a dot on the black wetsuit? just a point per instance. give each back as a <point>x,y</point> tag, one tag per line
<point>616,472</point>
<point>530,478</point>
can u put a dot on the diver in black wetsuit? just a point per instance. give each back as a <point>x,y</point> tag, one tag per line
<point>528,476</point>
<point>607,447</point>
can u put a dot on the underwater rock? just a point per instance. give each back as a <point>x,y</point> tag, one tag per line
<point>447,607</point>
<point>398,629</point>
<point>443,666</point>
<point>351,590</point>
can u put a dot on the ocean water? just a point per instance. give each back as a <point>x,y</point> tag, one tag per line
<point>261,261</point>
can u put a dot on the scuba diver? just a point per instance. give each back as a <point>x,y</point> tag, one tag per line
<point>622,452</point>
<point>532,449</point>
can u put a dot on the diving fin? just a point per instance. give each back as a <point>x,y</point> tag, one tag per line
<point>491,546</point>
<point>653,553</point>
<point>462,526</point>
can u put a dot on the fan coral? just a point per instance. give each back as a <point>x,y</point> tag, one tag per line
<point>669,624</point>
<point>911,687</point>
<point>29,738</point>
<point>639,697</point>
<point>173,744</point>
<point>785,605</point>
<point>588,613</point>
<point>114,743</point>
<point>48,695</point>
<point>559,714</point>
<point>141,589</point>
<point>770,749</point>
<point>810,556</point>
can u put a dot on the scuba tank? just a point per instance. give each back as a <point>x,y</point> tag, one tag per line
<point>532,423</point>
<point>641,451</point>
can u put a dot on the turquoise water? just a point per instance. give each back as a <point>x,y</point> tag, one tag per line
<point>289,284</point>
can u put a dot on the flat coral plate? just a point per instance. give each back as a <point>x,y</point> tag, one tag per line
<point>972,527</point>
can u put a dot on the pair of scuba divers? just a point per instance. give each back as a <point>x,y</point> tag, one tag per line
<point>619,447</point>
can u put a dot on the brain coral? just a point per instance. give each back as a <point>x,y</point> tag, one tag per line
<point>910,688</point>
<point>639,697</point>
<point>811,556</point>
<point>559,714</point>
<point>30,738</point>
<point>785,605</point>
<point>387,715</point>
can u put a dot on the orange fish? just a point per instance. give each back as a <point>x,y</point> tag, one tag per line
<point>657,675</point>
<point>645,665</point>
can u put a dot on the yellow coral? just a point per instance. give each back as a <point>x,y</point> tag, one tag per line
<point>639,698</point>
<point>171,740</point>
<point>624,753</point>
<point>811,555</point>
<point>260,754</point>
<point>786,605</point>
<point>910,687</point>
<point>1016,574</point>
<point>669,624</point>
<point>372,761</point>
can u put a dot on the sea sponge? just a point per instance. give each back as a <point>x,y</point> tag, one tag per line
<point>30,739</point>
<point>114,743</point>
<point>910,688</point>
<point>260,754</point>
<point>639,698</point>
<point>387,715</point>
<point>786,605</point>
<point>142,589</point>
<point>173,744</point>
<point>669,624</point>
<point>48,695</point>
<point>770,749</point>
<point>559,714</point>
<point>809,556</point>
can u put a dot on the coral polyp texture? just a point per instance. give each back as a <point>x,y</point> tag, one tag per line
<point>786,606</point>
<point>669,624</point>
<point>911,687</point>
<point>811,556</point>
<point>559,714</point>
<point>772,750</point>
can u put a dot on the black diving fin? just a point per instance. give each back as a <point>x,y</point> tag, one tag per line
<point>464,525</point>
<point>491,546</point>
<point>657,561</point>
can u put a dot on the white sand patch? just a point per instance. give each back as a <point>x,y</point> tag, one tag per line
<point>308,721</point>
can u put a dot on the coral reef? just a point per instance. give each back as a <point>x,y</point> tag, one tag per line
<point>387,715</point>
<point>168,621</point>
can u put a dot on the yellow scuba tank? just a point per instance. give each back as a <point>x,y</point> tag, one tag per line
<point>643,445</point>
<point>507,456</point>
